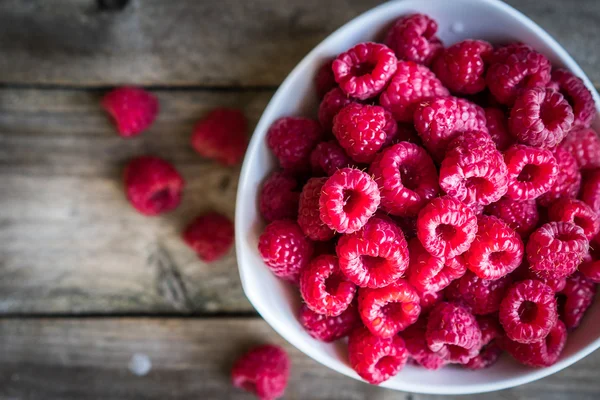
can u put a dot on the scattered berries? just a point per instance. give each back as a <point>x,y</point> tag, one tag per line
<point>360,130</point>
<point>264,371</point>
<point>584,146</point>
<point>329,329</point>
<point>542,353</point>
<point>292,139</point>
<point>222,135</point>
<point>578,297</point>
<point>412,38</point>
<point>577,94</point>
<point>279,196</point>
<point>210,236</point>
<point>133,110</point>
<point>520,216</point>
<point>309,218</point>
<point>531,172</point>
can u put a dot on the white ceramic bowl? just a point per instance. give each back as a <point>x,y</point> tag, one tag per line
<point>277,302</point>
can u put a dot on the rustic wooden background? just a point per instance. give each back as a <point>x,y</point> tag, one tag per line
<point>86,283</point>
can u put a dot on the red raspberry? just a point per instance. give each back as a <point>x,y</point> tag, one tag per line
<point>374,358</point>
<point>407,133</point>
<point>308,211</point>
<point>132,110</point>
<point>278,197</point>
<point>576,212</point>
<point>525,272</point>
<point>497,125</point>
<point>210,236</point>
<point>360,130</point>
<point>541,117</point>
<point>324,288</point>
<point>430,300</point>
<point>264,371</point>
<point>285,249</point>
<point>416,344</point>
<point>453,333</point>
<point>411,84</point>
<point>473,171</point>
<point>390,129</point>
<point>412,37</point>
<point>441,119</point>
<point>490,349</point>
<point>222,135</point>
<point>375,256</point>
<point>567,181</point>
<point>446,227</point>
<point>152,185</point>
<point>590,191</point>
<point>578,96</point>
<point>364,70</point>
<point>292,139</point>
<point>542,353</point>
<point>407,179</point>
<point>556,249</point>
<point>584,145</point>
<point>501,53</point>
<point>520,216</point>
<point>432,274</point>
<point>590,267</point>
<point>329,329</point>
<point>531,171</point>
<point>331,104</point>
<point>578,296</point>
<point>324,79</point>
<point>514,69</point>
<point>528,311</point>
<point>348,199</point>
<point>328,157</point>
<point>482,296</point>
<point>461,67</point>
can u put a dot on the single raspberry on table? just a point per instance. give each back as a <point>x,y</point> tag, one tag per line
<point>430,300</point>
<point>222,135</point>
<point>461,67</point>
<point>292,139</point>
<point>490,350</point>
<point>328,157</point>
<point>348,199</point>
<point>531,171</point>
<point>329,329</point>
<point>590,189</point>
<point>575,299</point>
<point>555,249</point>
<point>279,196</point>
<point>412,37</point>
<point>428,273</point>
<point>210,235</point>
<point>360,130</point>
<point>309,218</point>
<point>410,84</point>
<point>481,296</point>
<point>132,110</point>
<point>285,249</point>
<point>364,70</point>
<point>407,178</point>
<point>520,216</point>
<point>497,125</point>
<point>584,145</point>
<point>446,227</point>
<point>324,288</point>
<point>576,212</point>
<point>264,371</point>
<point>542,353</point>
<point>416,344</point>
<point>332,103</point>
<point>374,256</point>
<point>324,79</point>
<point>568,178</point>
<point>152,185</point>
<point>578,96</point>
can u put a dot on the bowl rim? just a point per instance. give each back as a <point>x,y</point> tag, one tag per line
<point>259,136</point>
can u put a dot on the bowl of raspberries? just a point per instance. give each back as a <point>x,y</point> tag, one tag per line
<point>419,204</point>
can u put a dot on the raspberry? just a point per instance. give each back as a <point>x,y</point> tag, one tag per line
<point>514,69</point>
<point>525,272</point>
<point>390,129</point>
<point>432,274</point>
<point>590,267</point>
<point>578,96</point>
<point>567,181</point>
<point>407,133</point>
<point>132,110</point>
<point>324,79</point>
<point>278,197</point>
<point>292,139</point>
<point>331,104</point>
<point>576,212</point>
<point>542,353</point>
<point>497,125</point>
<point>541,117</point>
<point>285,249</point>
<point>531,171</point>
<point>388,310</point>
<point>590,191</point>
<point>329,329</point>
<point>348,199</point>
<point>473,171</point>
<point>210,236</point>
<point>264,371</point>
<point>411,84</point>
<point>309,218</point>
<point>327,158</point>
<point>453,333</point>
<point>360,130</point>
<point>490,349</point>
<point>374,358</point>
<point>412,37</point>
<point>375,256</point>
<point>528,311</point>
<point>414,338</point>
<point>222,136</point>
<point>407,179</point>
<point>323,287</point>
<point>482,296</point>
<point>364,70</point>
<point>461,67</point>
<point>441,119</point>
<point>152,185</point>
<point>446,227</point>
<point>501,53</point>
<point>578,297</point>
<point>430,300</point>
<point>556,249</point>
<point>520,216</point>
<point>584,145</point>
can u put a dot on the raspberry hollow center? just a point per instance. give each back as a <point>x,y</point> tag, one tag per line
<point>548,115</point>
<point>528,173</point>
<point>479,184</point>
<point>364,68</point>
<point>408,177</point>
<point>372,263</point>
<point>567,236</point>
<point>445,232</point>
<point>386,363</point>
<point>351,200</point>
<point>160,199</point>
<point>332,284</point>
<point>527,312</point>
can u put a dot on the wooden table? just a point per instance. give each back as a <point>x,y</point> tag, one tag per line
<point>90,291</point>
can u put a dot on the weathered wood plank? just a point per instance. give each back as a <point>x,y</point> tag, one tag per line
<point>210,43</point>
<point>89,359</point>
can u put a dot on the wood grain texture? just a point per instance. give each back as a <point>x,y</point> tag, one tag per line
<point>213,42</point>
